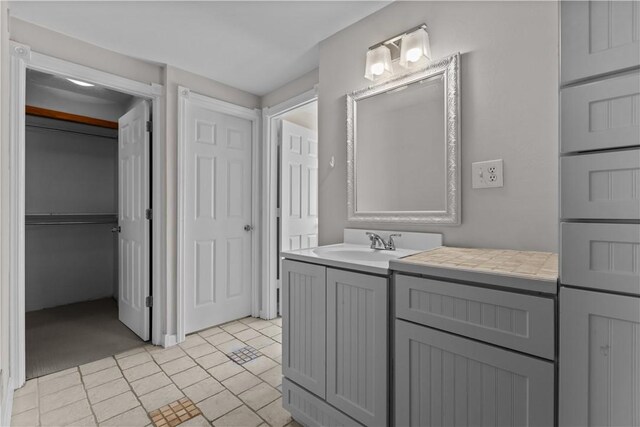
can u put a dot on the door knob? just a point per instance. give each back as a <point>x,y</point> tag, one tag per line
<point>248,227</point>
<point>117,229</point>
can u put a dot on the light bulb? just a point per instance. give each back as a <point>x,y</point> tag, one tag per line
<point>413,55</point>
<point>415,49</point>
<point>378,64</point>
<point>80,82</point>
<point>377,69</point>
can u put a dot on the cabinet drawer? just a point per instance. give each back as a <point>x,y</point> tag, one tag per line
<point>603,114</point>
<point>521,322</point>
<point>602,256</point>
<point>598,37</point>
<point>445,380</point>
<point>601,185</point>
<point>309,410</point>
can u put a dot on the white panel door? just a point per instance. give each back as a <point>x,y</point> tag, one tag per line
<point>133,195</point>
<point>299,200</point>
<point>217,209</point>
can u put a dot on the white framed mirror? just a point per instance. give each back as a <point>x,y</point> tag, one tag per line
<point>403,142</point>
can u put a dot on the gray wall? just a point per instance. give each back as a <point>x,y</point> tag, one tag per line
<point>291,89</point>
<point>509,110</point>
<point>74,103</point>
<point>58,45</point>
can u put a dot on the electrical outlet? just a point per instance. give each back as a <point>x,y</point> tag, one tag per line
<point>487,174</point>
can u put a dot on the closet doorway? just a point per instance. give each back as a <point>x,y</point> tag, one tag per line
<point>299,178</point>
<point>87,222</point>
<point>298,181</point>
<point>290,198</point>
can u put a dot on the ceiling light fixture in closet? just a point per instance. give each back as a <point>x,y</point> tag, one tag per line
<point>80,82</point>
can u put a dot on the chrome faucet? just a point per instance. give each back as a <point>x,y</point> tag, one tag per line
<point>378,242</point>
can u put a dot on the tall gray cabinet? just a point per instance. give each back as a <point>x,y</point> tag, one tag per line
<point>599,354</point>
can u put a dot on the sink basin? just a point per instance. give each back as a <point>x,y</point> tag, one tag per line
<point>356,254</point>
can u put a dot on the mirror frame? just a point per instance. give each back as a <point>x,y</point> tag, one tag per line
<point>449,67</point>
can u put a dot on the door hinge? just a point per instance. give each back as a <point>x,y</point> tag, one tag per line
<point>149,125</point>
<point>148,214</point>
<point>148,302</point>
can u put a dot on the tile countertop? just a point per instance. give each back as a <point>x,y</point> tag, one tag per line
<point>526,270</point>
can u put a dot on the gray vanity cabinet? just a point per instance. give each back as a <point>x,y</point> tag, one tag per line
<point>304,328</point>
<point>599,359</point>
<point>598,37</point>
<point>443,379</point>
<point>357,345</point>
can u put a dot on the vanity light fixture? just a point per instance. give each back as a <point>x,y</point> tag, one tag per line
<point>378,63</point>
<point>80,83</point>
<point>410,49</point>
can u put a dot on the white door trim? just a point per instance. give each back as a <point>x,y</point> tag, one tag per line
<point>270,117</point>
<point>22,58</point>
<point>185,95</point>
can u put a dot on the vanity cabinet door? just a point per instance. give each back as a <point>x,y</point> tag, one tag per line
<point>357,351</point>
<point>444,380</point>
<point>598,37</point>
<point>599,359</point>
<point>303,325</point>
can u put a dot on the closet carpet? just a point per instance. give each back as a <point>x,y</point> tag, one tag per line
<point>62,337</point>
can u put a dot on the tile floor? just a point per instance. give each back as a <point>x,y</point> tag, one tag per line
<point>122,390</point>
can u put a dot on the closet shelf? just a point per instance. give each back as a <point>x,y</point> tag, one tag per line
<point>70,218</point>
<point>70,214</point>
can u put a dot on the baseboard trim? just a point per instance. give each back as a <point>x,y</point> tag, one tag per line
<point>169,340</point>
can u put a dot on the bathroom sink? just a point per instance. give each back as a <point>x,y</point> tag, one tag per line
<point>350,256</point>
<point>357,253</point>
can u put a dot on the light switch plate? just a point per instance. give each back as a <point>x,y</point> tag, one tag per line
<point>487,174</point>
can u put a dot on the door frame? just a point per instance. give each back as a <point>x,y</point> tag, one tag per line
<point>270,255</point>
<point>185,95</point>
<point>22,58</point>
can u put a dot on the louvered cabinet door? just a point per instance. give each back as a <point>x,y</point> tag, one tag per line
<point>599,359</point>
<point>357,380</point>
<point>444,380</point>
<point>304,325</point>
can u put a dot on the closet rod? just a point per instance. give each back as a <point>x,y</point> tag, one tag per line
<point>70,131</point>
